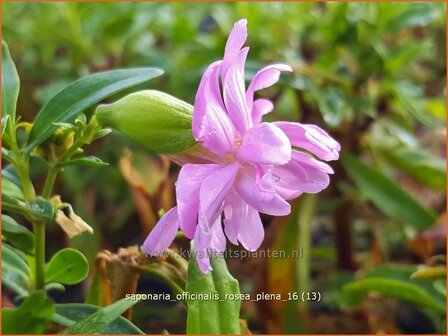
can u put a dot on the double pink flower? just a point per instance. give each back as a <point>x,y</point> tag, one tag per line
<point>256,168</point>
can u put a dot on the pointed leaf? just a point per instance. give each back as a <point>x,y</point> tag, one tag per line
<point>90,161</point>
<point>10,84</point>
<point>100,319</point>
<point>12,260</point>
<point>398,289</point>
<point>83,94</point>
<point>17,235</point>
<point>15,271</point>
<point>11,189</point>
<point>70,313</point>
<point>5,121</point>
<point>421,165</point>
<point>387,195</point>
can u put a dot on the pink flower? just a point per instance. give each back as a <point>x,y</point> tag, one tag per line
<point>256,168</point>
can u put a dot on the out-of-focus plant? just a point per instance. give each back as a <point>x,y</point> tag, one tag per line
<point>57,137</point>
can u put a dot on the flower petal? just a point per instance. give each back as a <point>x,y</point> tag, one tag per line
<point>231,227</point>
<point>260,108</point>
<point>214,190</point>
<point>258,190</point>
<point>265,143</point>
<point>312,138</point>
<point>202,239</point>
<point>235,42</point>
<point>187,194</point>
<point>302,174</point>
<point>163,234</point>
<point>211,123</point>
<point>218,240</point>
<point>252,232</point>
<point>234,93</point>
<point>265,78</point>
<point>243,223</point>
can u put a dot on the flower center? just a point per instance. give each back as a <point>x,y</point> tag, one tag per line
<point>232,155</point>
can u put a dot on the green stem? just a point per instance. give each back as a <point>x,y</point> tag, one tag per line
<point>39,233</point>
<point>22,166</point>
<point>24,174</point>
<point>49,182</point>
<point>39,226</point>
<point>54,170</point>
<point>307,205</point>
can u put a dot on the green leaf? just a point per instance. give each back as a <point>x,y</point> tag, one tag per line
<point>397,289</point>
<point>437,107</point>
<point>5,121</point>
<point>422,166</point>
<point>96,322</point>
<point>70,313</point>
<point>17,235</point>
<point>90,161</point>
<point>15,271</point>
<point>68,267</point>
<point>429,272</point>
<point>31,317</point>
<point>82,95</point>
<point>440,287</point>
<point>9,173</point>
<point>11,189</point>
<point>54,286</point>
<point>388,196</point>
<point>419,14</point>
<point>218,315</point>
<point>41,208</point>
<point>12,259</point>
<point>410,97</point>
<point>10,84</point>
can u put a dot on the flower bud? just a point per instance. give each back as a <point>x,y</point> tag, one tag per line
<point>155,119</point>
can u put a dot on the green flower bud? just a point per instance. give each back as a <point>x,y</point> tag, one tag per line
<point>155,119</point>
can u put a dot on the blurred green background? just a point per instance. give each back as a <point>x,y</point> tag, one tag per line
<point>372,74</point>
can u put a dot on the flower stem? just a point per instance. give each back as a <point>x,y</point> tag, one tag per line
<point>54,170</point>
<point>23,171</point>
<point>307,205</point>
<point>39,226</point>
<point>49,182</point>
<point>39,233</point>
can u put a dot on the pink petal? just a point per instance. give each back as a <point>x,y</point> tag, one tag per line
<point>202,239</point>
<point>311,138</point>
<point>258,190</point>
<point>261,107</point>
<point>265,143</point>
<point>218,240</point>
<point>214,190</point>
<point>243,223</point>
<point>286,193</point>
<point>163,234</point>
<point>265,78</point>
<point>232,227</point>
<point>252,232</point>
<point>302,174</point>
<point>235,42</point>
<point>187,194</point>
<point>234,93</point>
<point>211,123</point>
